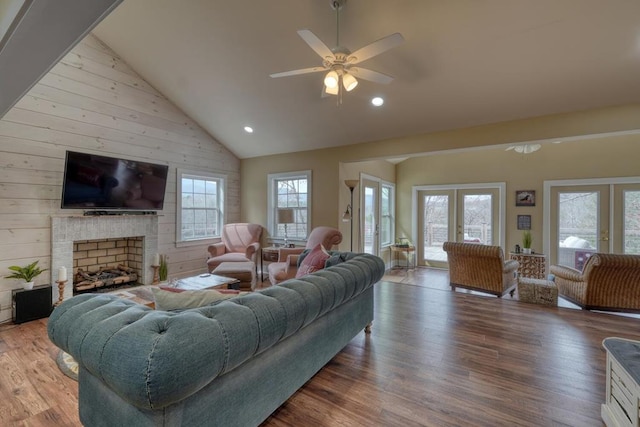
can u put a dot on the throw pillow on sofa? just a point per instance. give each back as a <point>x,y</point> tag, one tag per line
<point>170,300</point>
<point>314,261</point>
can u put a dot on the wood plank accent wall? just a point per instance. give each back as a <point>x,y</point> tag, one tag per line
<point>94,102</point>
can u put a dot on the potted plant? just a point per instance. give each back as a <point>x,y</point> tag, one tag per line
<point>163,271</point>
<point>526,242</point>
<point>27,273</point>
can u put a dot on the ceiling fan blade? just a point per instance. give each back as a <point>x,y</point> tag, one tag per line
<point>297,72</point>
<point>316,44</point>
<point>375,48</point>
<point>372,76</point>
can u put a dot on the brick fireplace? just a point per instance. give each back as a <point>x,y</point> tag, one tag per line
<point>96,241</point>
<point>91,256</point>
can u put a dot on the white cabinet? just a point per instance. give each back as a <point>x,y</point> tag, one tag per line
<point>622,400</point>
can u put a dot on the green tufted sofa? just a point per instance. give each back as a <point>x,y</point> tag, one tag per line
<point>228,364</point>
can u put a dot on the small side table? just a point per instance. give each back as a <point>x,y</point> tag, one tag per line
<point>622,396</point>
<point>268,255</point>
<point>537,291</point>
<point>410,254</point>
<point>531,265</point>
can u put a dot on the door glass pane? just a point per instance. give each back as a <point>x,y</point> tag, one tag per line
<point>369,219</point>
<point>478,218</point>
<point>631,237</point>
<point>577,227</point>
<point>436,227</point>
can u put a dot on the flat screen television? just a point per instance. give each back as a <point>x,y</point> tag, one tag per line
<point>106,183</point>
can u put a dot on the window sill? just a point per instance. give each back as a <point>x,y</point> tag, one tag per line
<point>200,242</point>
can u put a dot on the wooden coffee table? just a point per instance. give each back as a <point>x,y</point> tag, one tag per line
<point>206,281</point>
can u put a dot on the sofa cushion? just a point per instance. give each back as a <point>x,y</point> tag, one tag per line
<point>314,261</point>
<point>170,300</point>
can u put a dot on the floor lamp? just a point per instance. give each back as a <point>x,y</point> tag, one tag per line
<point>348,214</point>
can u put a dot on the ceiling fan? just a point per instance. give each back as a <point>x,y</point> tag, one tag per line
<point>340,63</point>
<point>524,148</point>
<point>528,148</point>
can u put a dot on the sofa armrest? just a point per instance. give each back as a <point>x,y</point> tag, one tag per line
<point>251,250</point>
<point>292,260</point>
<point>97,328</point>
<point>567,273</point>
<point>510,266</point>
<point>216,249</point>
<point>283,253</point>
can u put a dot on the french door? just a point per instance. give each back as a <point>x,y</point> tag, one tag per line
<point>586,219</point>
<point>456,214</point>
<point>370,216</point>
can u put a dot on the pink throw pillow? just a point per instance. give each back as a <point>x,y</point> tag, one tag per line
<point>313,262</point>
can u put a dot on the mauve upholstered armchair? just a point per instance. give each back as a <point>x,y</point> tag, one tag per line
<point>609,282</point>
<point>480,268</point>
<point>287,264</point>
<point>240,243</point>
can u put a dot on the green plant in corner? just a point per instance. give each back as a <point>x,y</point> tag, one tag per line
<point>163,271</point>
<point>27,273</point>
<point>526,239</point>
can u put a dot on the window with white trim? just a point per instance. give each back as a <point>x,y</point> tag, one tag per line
<point>387,209</point>
<point>200,210</point>
<point>290,190</point>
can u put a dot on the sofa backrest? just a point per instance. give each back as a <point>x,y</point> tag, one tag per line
<point>612,267</point>
<point>473,263</point>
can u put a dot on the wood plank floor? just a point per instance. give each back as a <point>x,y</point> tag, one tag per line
<point>434,358</point>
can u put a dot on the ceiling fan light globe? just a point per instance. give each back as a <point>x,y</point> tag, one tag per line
<point>331,79</point>
<point>349,82</point>
<point>331,90</point>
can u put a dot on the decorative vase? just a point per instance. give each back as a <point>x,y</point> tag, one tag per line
<point>27,286</point>
<point>526,251</point>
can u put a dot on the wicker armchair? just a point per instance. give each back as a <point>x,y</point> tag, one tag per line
<point>609,282</point>
<point>480,268</point>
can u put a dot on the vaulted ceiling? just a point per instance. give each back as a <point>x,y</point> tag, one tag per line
<point>463,63</point>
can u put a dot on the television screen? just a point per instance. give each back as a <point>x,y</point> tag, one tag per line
<point>100,182</point>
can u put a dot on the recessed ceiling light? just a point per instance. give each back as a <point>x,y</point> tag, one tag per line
<point>248,129</point>
<point>377,101</point>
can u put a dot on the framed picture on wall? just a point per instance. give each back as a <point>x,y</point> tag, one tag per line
<point>525,198</point>
<point>524,222</point>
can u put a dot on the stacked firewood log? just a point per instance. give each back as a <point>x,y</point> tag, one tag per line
<point>105,277</point>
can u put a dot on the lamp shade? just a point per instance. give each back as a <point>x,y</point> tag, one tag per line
<point>346,217</point>
<point>331,90</point>
<point>331,79</point>
<point>351,183</point>
<point>349,82</point>
<point>285,216</point>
